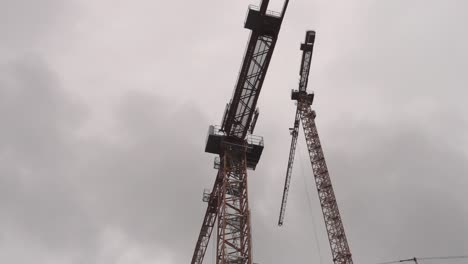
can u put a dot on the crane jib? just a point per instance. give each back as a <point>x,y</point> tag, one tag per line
<point>336,235</point>
<point>265,27</point>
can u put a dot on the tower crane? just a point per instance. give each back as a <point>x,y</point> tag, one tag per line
<point>336,234</point>
<point>236,147</point>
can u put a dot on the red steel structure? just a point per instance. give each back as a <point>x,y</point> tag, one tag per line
<point>334,225</point>
<point>236,147</point>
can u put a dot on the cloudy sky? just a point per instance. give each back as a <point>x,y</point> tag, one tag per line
<point>105,105</point>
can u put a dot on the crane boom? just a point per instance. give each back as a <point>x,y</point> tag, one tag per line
<point>331,215</point>
<point>265,28</point>
<point>292,151</point>
<point>307,48</point>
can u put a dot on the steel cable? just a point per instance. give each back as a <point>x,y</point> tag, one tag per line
<point>425,258</point>
<point>446,257</point>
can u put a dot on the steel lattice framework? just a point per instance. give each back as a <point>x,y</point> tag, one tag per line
<point>331,215</point>
<point>253,73</point>
<point>234,237</point>
<point>209,220</point>
<point>237,148</point>
<point>304,113</point>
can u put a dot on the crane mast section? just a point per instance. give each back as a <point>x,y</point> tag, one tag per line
<point>208,222</point>
<point>334,225</point>
<point>264,28</point>
<point>292,151</point>
<point>233,229</point>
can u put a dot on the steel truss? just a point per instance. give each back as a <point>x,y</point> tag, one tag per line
<point>335,230</point>
<point>250,81</point>
<point>234,238</point>
<point>208,221</point>
<point>292,151</point>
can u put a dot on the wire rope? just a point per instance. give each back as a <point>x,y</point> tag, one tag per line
<point>446,257</point>
<point>426,258</point>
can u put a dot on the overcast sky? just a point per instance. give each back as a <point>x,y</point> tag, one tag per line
<point>105,105</point>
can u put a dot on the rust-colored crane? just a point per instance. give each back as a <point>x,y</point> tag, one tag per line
<point>335,230</point>
<point>236,147</point>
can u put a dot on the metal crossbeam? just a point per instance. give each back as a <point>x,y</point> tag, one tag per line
<point>208,221</point>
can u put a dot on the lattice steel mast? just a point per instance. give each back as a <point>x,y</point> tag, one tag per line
<point>237,148</point>
<point>334,225</point>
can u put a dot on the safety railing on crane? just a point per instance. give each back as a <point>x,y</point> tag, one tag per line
<point>268,12</point>
<point>254,140</point>
<point>250,139</point>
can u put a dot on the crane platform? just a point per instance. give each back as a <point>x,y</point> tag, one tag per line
<point>217,141</point>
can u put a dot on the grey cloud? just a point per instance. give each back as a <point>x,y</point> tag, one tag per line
<point>402,190</point>
<point>24,24</point>
<point>37,119</point>
<point>147,175</point>
<point>390,103</point>
<point>64,192</point>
